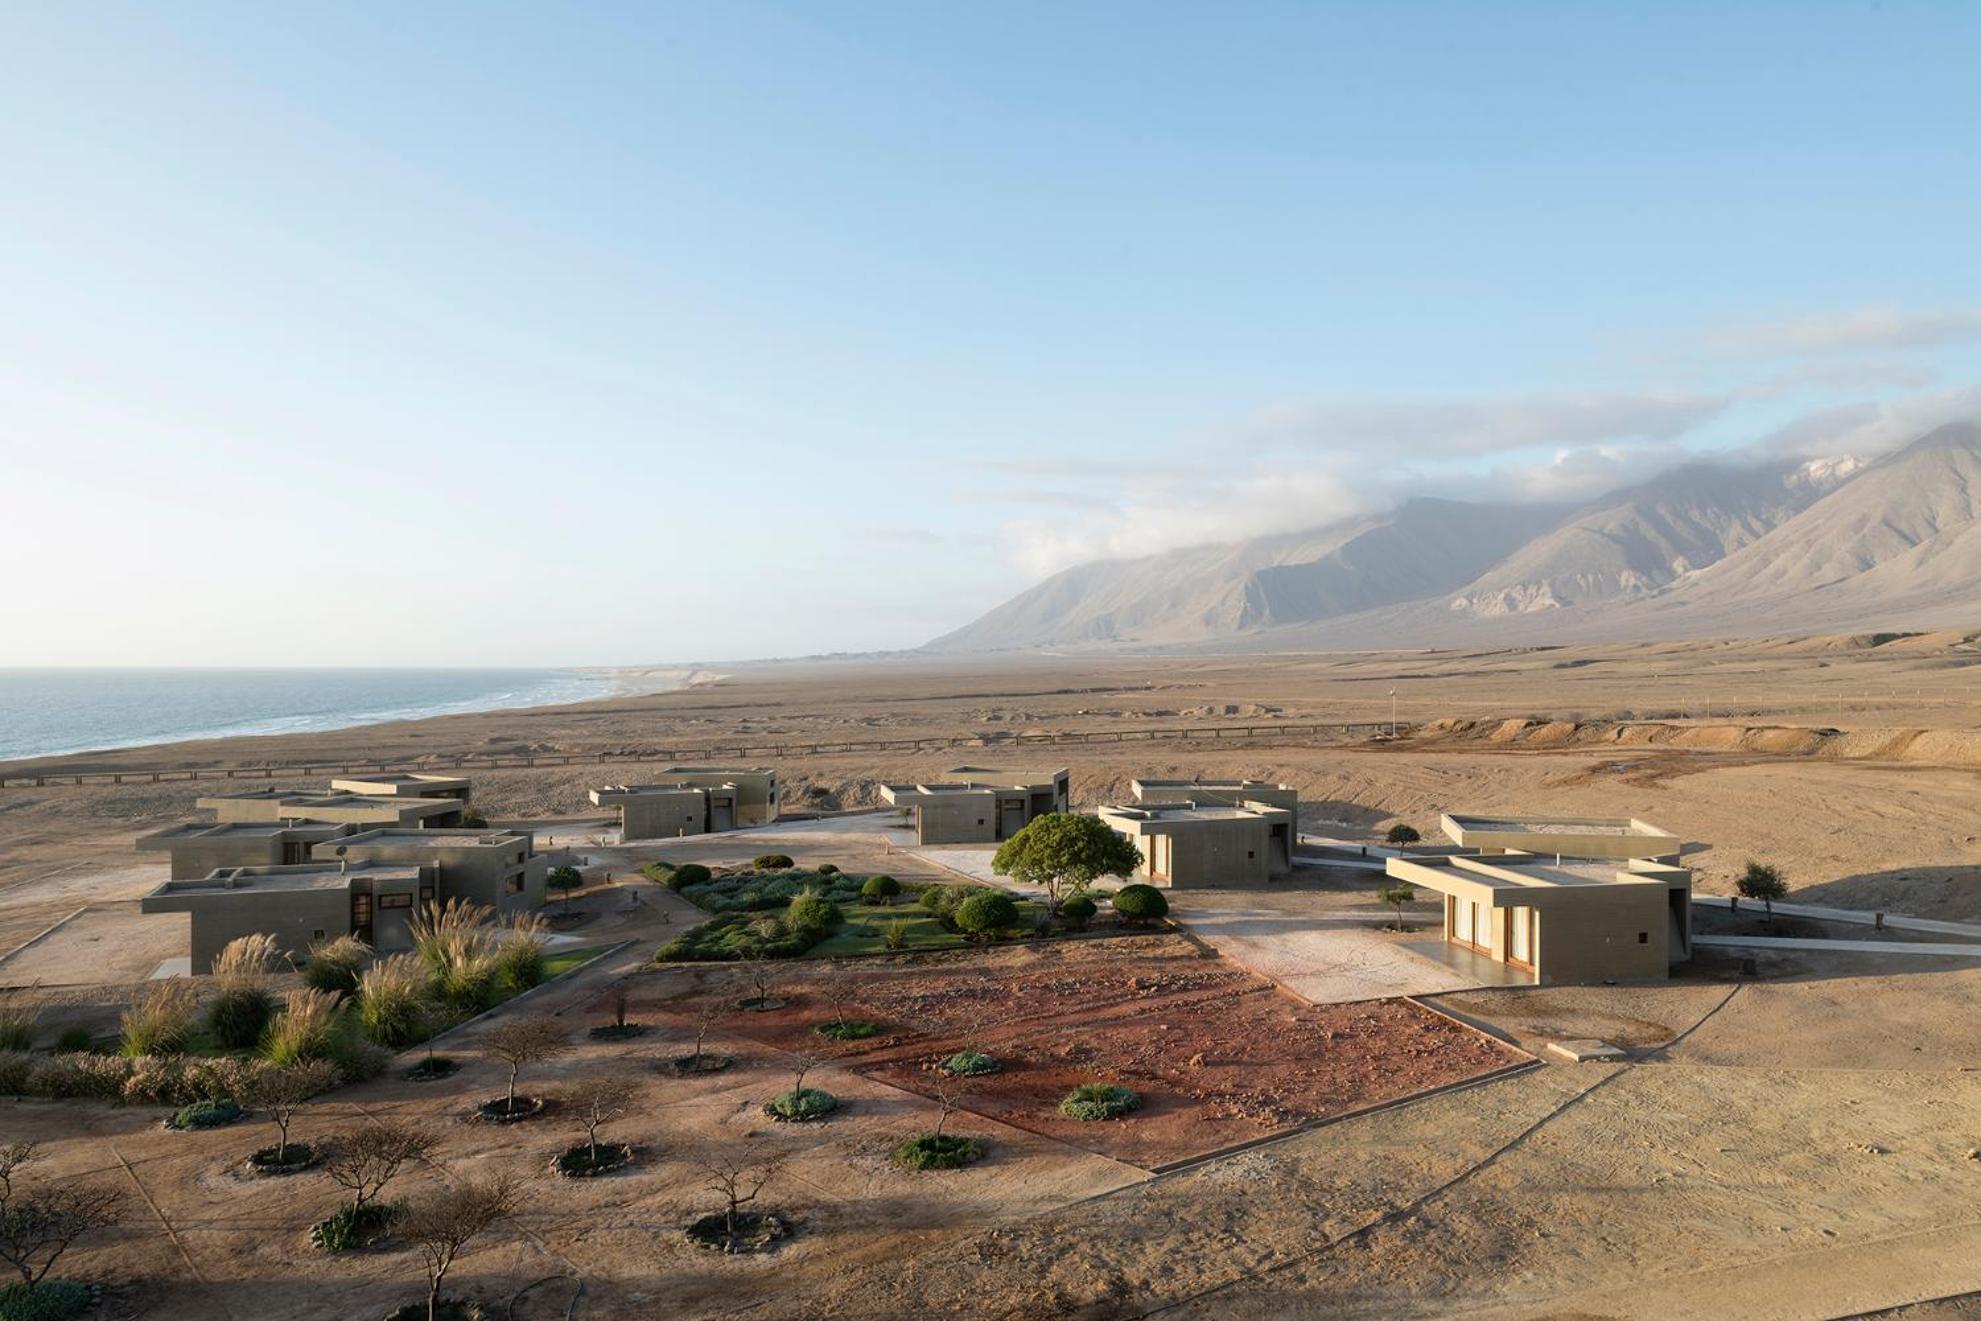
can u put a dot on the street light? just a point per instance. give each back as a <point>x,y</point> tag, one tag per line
<point>1392,713</point>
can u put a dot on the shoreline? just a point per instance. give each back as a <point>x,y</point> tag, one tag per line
<point>615,683</point>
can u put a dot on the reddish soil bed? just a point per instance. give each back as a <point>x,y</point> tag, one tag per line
<point>1220,1057</point>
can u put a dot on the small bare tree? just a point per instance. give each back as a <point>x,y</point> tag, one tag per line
<point>760,973</point>
<point>284,1092</point>
<point>837,987</point>
<point>38,1225</point>
<point>597,1101</point>
<point>443,1222</point>
<point>737,1176</point>
<point>705,1021</point>
<point>948,1091</point>
<point>365,1161</point>
<point>524,1041</point>
<point>801,1064</point>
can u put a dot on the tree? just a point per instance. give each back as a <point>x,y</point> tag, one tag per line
<point>986,913</point>
<point>441,1223</point>
<point>738,1176</point>
<point>38,1225</point>
<point>1400,834</point>
<point>1396,896</point>
<point>837,987</point>
<point>948,1091</point>
<point>1762,881</point>
<point>712,1009</point>
<point>365,1161</point>
<point>1063,854</point>
<point>524,1041</point>
<point>564,880</point>
<point>598,1100</point>
<point>283,1092</point>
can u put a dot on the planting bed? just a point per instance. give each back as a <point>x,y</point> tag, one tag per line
<point>1220,1057</point>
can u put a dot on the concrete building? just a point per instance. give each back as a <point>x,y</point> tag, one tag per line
<point>404,784</point>
<point>980,804</point>
<point>1190,845</point>
<point>368,884</point>
<point>692,800</point>
<point>1562,899</point>
<point>1229,793</point>
<point>296,904</point>
<point>199,848</point>
<point>363,811</point>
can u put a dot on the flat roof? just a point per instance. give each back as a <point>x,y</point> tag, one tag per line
<point>463,837</point>
<point>299,878</point>
<point>893,791</point>
<point>237,829</point>
<point>1196,812</point>
<point>1021,776</point>
<point>1525,880</point>
<point>1597,826</point>
<point>634,790</point>
<point>1210,784</point>
<point>717,770</point>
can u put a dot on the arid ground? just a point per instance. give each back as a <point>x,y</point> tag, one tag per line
<point>1803,1142</point>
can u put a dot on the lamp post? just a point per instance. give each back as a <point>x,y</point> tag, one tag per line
<point>1392,713</point>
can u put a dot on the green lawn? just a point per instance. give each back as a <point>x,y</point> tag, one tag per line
<point>865,930</point>
<point>556,965</point>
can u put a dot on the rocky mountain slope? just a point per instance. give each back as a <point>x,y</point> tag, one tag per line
<point>1704,550</point>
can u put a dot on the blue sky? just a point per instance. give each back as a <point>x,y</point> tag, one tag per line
<point>614,334</point>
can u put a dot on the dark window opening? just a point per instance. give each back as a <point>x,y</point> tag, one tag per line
<point>1643,937</point>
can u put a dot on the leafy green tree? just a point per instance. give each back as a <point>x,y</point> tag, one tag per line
<point>564,880</point>
<point>1400,834</point>
<point>1396,896</point>
<point>1063,853</point>
<point>1762,881</point>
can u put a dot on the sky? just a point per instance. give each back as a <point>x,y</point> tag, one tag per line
<point>485,334</point>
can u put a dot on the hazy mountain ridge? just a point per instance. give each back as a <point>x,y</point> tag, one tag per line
<point>1704,549</point>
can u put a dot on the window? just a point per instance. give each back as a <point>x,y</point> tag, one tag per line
<point>1643,937</point>
<point>395,901</point>
<point>514,885</point>
<point>317,934</point>
<point>1249,855</point>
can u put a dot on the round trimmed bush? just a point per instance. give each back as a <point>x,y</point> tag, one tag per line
<point>969,1063</point>
<point>298,1157</point>
<point>1080,908</point>
<point>986,913</point>
<point>828,869</point>
<point>880,889</point>
<point>349,1228</point>
<point>929,1152</point>
<point>1140,903</point>
<point>756,1231</point>
<point>204,1114</point>
<point>1099,1100</point>
<point>687,874</point>
<point>812,912</point>
<point>800,1107</point>
<point>773,862</point>
<point>579,1162</point>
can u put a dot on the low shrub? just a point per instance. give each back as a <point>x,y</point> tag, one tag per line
<point>1078,910</point>
<point>736,936</point>
<point>519,963</point>
<point>204,1114</point>
<point>160,1018</point>
<point>585,1162</point>
<point>50,1300</point>
<point>689,873</point>
<point>814,913</point>
<point>356,1059</point>
<point>15,1066</point>
<point>306,1029</point>
<point>238,1015</point>
<point>1140,903</point>
<point>334,965</point>
<point>443,1309</point>
<point>986,913</point>
<point>969,1063</point>
<point>73,1077</point>
<point>350,1228</point>
<point>827,869</point>
<point>75,1038</point>
<point>432,1069</point>
<point>932,1151</point>
<point>851,1030</point>
<point>392,1005</point>
<point>895,935</point>
<point>773,862</point>
<point>880,889</point>
<point>805,1104</point>
<point>1099,1100</point>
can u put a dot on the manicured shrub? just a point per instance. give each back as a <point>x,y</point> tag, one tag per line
<point>773,862</point>
<point>850,1030</point>
<point>1079,910</point>
<point>812,912</point>
<point>933,1151</point>
<point>880,889</point>
<point>68,1077</point>
<point>1099,1100</point>
<point>356,1059</point>
<point>688,873</point>
<point>969,1064</point>
<point>333,965</point>
<point>801,1105</point>
<point>350,1227</point>
<point>1140,903</point>
<point>828,869</point>
<point>204,1114</point>
<point>931,897</point>
<point>392,1005</point>
<point>986,913</point>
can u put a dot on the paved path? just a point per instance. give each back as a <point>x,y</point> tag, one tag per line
<point>1924,947</point>
<point>1856,916</point>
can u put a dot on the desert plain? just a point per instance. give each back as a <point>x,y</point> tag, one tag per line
<point>1791,1133</point>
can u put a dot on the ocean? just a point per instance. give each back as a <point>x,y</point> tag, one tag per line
<point>50,712</point>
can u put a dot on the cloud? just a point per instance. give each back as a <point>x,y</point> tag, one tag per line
<point>1869,328</point>
<point>1868,428</point>
<point>1185,507</point>
<point>1406,430</point>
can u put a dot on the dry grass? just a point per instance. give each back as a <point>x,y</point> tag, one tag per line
<point>306,1029</point>
<point>160,1018</point>
<point>461,952</point>
<point>392,1004</point>
<point>244,964</point>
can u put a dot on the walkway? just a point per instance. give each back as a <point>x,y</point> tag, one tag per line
<point>1921,947</point>
<point>1859,917</point>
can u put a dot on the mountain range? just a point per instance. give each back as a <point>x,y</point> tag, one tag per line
<point>1826,545</point>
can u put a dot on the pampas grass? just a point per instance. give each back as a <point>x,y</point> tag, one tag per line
<point>459,949</point>
<point>240,1011</point>
<point>392,1001</point>
<point>160,1019</point>
<point>521,958</point>
<point>333,965</point>
<point>17,1023</point>
<point>306,1028</point>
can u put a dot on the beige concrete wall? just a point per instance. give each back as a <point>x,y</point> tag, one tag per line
<point>667,814</point>
<point>508,878</point>
<point>1284,797</point>
<point>294,917</point>
<point>962,819</point>
<point>757,794</point>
